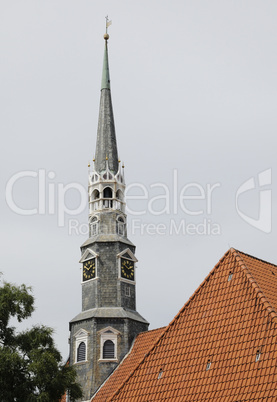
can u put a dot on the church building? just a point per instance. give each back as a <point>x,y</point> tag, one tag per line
<point>222,344</point>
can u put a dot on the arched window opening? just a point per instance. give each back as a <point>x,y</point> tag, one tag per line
<point>81,352</point>
<point>108,350</point>
<point>108,195</point>
<point>120,225</point>
<point>94,226</point>
<point>119,195</point>
<point>95,194</point>
<point>120,198</point>
<point>94,198</point>
<point>108,339</point>
<point>108,192</point>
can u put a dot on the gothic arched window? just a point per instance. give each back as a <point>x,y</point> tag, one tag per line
<point>94,177</point>
<point>81,352</point>
<point>108,195</point>
<point>94,198</point>
<point>108,350</point>
<point>119,195</point>
<point>95,194</point>
<point>107,176</point>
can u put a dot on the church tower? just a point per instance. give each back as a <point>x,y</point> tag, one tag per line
<point>102,334</point>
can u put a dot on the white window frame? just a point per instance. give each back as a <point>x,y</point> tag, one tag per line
<point>94,225</point>
<point>81,336</point>
<point>108,334</point>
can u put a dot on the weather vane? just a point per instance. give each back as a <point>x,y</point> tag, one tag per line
<point>108,23</point>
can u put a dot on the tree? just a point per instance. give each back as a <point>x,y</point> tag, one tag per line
<point>31,367</point>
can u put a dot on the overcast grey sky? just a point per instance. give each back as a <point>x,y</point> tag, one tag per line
<point>194,94</point>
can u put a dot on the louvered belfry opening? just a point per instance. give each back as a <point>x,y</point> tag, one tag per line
<point>108,350</point>
<point>81,352</point>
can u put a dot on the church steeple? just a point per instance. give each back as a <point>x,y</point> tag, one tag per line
<point>106,147</point>
<point>106,182</point>
<point>103,332</point>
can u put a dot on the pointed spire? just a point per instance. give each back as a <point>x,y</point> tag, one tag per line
<point>106,139</point>
<point>105,72</point>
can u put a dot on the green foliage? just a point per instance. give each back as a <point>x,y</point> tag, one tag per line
<point>31,367</point>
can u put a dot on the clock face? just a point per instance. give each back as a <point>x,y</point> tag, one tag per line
<point>127,269</point>
<point>88,270</point>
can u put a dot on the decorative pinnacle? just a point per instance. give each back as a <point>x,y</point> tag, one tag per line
<point>88,164</point>
<point>106,157</point>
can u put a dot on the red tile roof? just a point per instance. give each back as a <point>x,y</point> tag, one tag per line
<point>221,346</point>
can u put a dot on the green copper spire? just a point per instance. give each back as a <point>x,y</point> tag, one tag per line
<point>105,84</point>
<point>106,148</point>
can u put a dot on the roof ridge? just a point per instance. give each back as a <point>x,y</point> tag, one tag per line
<point>260,294</point>
<point>252,256</point>
<point>168,326</point>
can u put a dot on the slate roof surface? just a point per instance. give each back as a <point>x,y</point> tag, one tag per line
<point>103,238</point>
<point>109,312</point>
<point>221,346</point>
